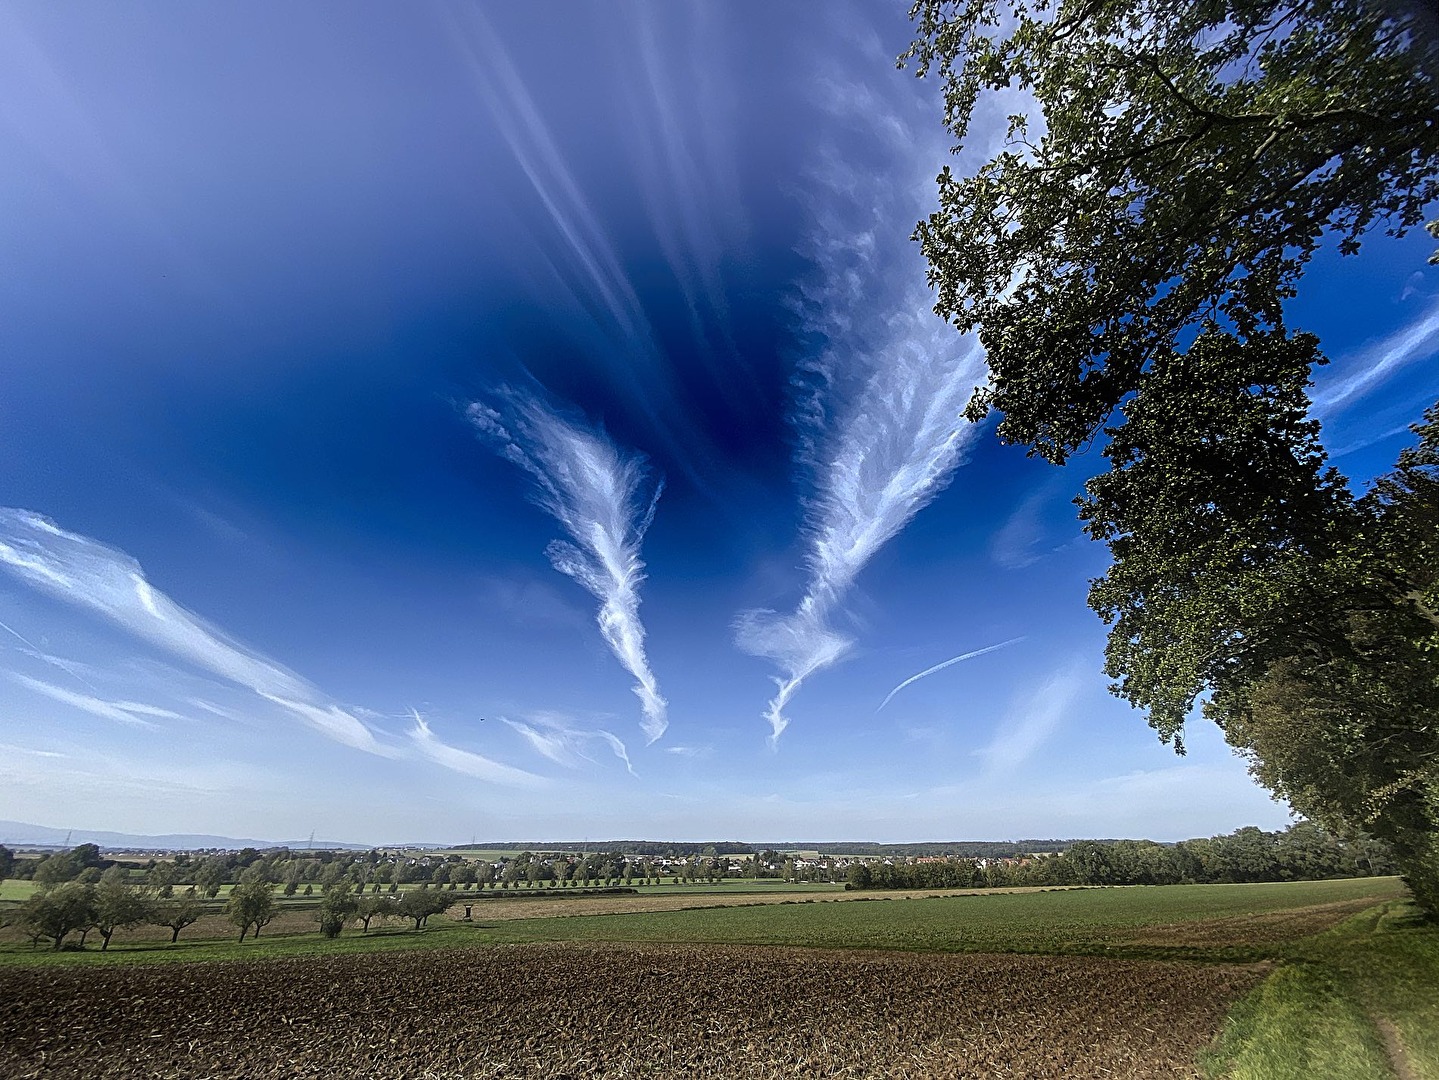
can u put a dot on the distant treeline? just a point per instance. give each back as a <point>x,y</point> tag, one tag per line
<point>1302,852</point>
<point>963,849</point>
<point>660,848</point>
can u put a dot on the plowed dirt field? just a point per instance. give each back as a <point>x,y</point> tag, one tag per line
<point>621,1010</point>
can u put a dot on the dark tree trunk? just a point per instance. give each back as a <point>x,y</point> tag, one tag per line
<point>174,934</point>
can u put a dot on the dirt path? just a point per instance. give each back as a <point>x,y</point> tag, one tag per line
<point>1394,1048</point>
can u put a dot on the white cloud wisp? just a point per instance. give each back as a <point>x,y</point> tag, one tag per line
<point>1031,721</point>
<point>881,409</point>
<point>125,712</point>
<point>89,574</point>
<point>598,494</point>
<point>1371,367</point>
<point>466,761</point>
<point>553,738</point>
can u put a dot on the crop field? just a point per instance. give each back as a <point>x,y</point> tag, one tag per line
<point>616,1010</point>
<point>1250,981</point>
<point>1173,919</point>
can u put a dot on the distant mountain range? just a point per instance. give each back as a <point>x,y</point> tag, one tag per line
<point>20,832</point>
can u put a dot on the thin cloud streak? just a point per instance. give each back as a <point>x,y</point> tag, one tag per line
<point>598,494</point>
<point>466,761</point>
<point>565,745</point>
<point>1031,721</point>
<point>31,649</point>
<point>940,667</point>
<point>1372,366</point>
<point>124,712</point>
<point>619,313</point>
<point>88,574</point>
<point>879,408</point>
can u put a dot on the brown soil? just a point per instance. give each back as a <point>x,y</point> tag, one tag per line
<point>581,1010</point>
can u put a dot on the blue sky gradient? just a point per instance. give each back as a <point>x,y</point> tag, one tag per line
<point>475,420</point>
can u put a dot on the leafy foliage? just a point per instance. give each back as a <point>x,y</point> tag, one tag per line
<point>117,903</point>
<point>1180,165</point>
<point>420,904</point>
<point>1128,255</point>
<point>56,913</point>
<point>251,905</point>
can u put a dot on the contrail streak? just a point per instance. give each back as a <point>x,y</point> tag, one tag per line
<point>53,660</point>
<point>597,494</point>
<point>940,667</point>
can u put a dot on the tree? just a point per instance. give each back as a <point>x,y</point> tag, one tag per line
<point>176,913</point>
<point>336,907</point>
<point>420,904</point>
<point>55,869</point>
<point>251,904</point>
<point>161,877</point>
<point>375,907</point>
<point>7,862</point>
<point>1345,729</point>
<point>117,903</point>
<point>1192,159</point>
<point>210,875</point>
<point>1127,258</point>
<point>56,913</point>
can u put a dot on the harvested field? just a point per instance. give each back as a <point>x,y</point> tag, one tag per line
<point>617,1010</point>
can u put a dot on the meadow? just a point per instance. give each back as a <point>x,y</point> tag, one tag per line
<point>1330,978</point>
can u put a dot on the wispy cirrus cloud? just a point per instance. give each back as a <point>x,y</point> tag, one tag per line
<point>604,500</point>
<point>1031,720</point>
<point>880,405</point>
<point>690,751</point>
<point>940,667</point>
<point>552,737</point>
<point>429,745</point>
<point>88,574</point>
<point>1364,371</point>
<point>681,136</point>
<point>135,713</point>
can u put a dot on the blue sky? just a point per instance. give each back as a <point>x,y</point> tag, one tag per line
<point>474,420</point>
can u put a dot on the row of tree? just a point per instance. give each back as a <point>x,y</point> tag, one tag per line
<point>305,872</point>
<point>1302,852</point>
<point>55,912</point>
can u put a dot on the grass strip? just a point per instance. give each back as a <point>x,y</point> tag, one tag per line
<point>1358,1001</point>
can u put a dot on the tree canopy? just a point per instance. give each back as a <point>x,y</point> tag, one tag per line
<point>1176,167</point>
<point>1126,258</point>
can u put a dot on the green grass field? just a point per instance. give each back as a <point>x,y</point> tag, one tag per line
<point>1358,1001</point>
<point>16,890</point>
<point>1083,921</point>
